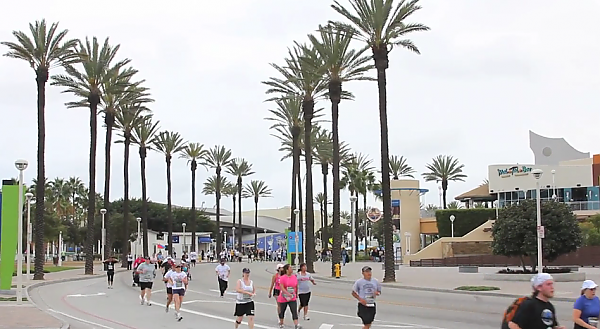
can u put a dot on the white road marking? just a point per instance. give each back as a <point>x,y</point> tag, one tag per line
<point>159,290</point>
<point>226,293</point>
<point>205,301</point>
<point>89,295</point>
<point>80,319</point>
<point>326,326</point>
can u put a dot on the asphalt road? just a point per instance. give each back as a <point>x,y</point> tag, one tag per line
<point>89,304</point>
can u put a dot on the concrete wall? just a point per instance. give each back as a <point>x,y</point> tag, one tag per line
<point>410,215</point>
<point>566,176</point>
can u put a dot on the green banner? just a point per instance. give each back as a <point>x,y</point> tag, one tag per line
<point>8,240</point>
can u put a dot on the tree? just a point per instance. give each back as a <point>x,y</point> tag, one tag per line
<point>444,169</point>
<point>256,189</point>
<point>169,143</point>
<point>48,49</point>
<point>515,235</point>
<point>590,231</point>
<point>381,26</point>
<point>399,168</point>
<point>217,158</point>
<point>193,152</point>
<point>454,205</point>
<point>239,168</point>
<point>89,85</point>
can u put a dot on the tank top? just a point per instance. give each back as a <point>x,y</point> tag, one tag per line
<point>245,298</point>
<point>277,282</point>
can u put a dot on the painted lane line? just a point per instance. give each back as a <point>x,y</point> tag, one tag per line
<point>326,326</point>
<point>80,319</point>
<point>88,295</point>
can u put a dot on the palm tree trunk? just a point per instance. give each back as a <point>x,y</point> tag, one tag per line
<point>144,201</point>
<point>381,63</point>
<point>109,120</point>
<point>94,100</point>
<point>169,212</point>
<point>125,225</point>
<point>39,220</point>
<point>300,213</point>
<point>308,107</point>
<point>239,183</point>
<point>295,169</point>
<point>193,221</point>
<point>218,214</point>
<point>366,222</point>
<point>233,222</point>
<point>356,226</point>
<point>324,230</point>
<point>335,93</point>
<point>256,224</point>
<point>444,189</point>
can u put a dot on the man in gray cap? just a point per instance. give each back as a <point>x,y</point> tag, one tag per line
<point>537,312</point>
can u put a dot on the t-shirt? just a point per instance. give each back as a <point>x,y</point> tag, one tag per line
<point>290,285</point>
<point>366,289</point>
<point>535,314</point>
<point>147,272</point>
<point>304,283</point>
<point>167,265</point>
<point>590,308</point>
<point>193,255</point>
<point>177,278</point>
<point>110,265</point>
<point>167,277</point>
<point>223,271</point>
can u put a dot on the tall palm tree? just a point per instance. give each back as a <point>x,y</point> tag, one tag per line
<point>169,143</point>
<point>46,49</point>
<point>75,187</point>
<point>340,63</point>
<point>127,119</point>
<point>193,152</point>
<point>399,168</point>
<point>322,201</point>
<point>144,136</point>
<point>257,189</point>
<point>239,168</point>
<point>381,25</point>
<point>217,158</point>
<point>231,190</point>
<point>444,168</point>
<point>89,85</point>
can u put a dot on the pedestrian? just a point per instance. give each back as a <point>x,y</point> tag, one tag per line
<point>193,258</point>
<point>110,270</point>
<point>223,271</point>
<point>288,286</point>
<point>147,273</point>
<point>169,288</point>
<point>244,305</point>
<point>537,312</point>
<point>304,283</point>
<point>129,261</point>
<point>274,289</point>
<point>179,284</point>
<point>587,307</point>
<point>365,290</point>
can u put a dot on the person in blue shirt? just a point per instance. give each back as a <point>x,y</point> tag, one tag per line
<point>587,307</point>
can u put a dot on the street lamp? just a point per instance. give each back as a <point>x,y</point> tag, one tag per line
<point>104,254</point>
<point>220,235</point>
<point>183,243</point>
<point>21,165</point>
<point>28,196</point>
<point>440,191</point>
<point>265,251</point>
<point>137,240</point>
<point>553,185</point>
<point>537,174</point>
<point>452,218</point>
<point>60,248</point>
<point>296,212</point>
<point>352,215</point>
<point>233,238</point>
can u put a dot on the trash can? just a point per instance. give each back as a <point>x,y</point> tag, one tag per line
<point>55,260</point>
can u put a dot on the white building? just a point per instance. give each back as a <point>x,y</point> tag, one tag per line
<point>181,242</point>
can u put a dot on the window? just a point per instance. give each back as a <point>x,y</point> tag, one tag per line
<point>544,194</point>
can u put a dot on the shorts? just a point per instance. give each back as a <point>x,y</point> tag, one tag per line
<point>145,285</point>
<point>276,292</point>
<point>366,314</point>
<point>193,261</point>
<point>169,291</point>
<point>180,292</point>
<point>246,309</point>
<point>304,299</point>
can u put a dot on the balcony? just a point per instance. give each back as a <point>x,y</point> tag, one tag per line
<point>584,205</point>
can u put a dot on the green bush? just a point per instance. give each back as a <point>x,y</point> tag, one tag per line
<point>466,220</point>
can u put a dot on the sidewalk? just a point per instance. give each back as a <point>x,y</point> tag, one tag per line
<point>28,315</point>
<point>446,279</point>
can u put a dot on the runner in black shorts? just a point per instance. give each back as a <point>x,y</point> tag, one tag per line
<point>365,290</point>
<point>110,270</point>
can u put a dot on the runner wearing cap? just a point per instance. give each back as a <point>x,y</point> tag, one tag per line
<point>365,290</point>
<point>179,282</point>
<point>244,305</point>
<point>537,312</point>
<point>223,271</point>
<point>275,284</point>
<point>587,307</point>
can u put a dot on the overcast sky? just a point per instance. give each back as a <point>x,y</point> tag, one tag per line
<point>489,72</point>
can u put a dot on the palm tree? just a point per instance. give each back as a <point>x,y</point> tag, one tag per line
<point>76,188</point>
<point>239,168</point>
<point>231,190</point>
<point>169,143</point>
<point>144,136</point>
<point>322,200</point>
<point>457,205</point>
<point>357,178</point>
<point>193,152</point>
<point>256,189</point>
<point>89,85</point>
<point>127,119</point>
<point>217,158</point>
<point>340,63</point>
<point>381,25</point>
<point>48,49</point>
<point>444,168</point>
<point>399,168</point>
<point>210,185</point>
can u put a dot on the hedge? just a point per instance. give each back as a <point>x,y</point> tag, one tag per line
<point>466,220</point>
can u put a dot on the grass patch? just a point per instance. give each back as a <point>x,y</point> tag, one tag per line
<point>11,299</point>
<point>476,288</point>
<point>50,269</point>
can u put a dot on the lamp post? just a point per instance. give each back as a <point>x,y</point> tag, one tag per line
<point>233,237</point>
<point>220,234</point>
<point>137,240</point>
<point>352,215</point>
<point>553,185</point>
<point>183,242</point>
<point>28,197</point>
<point>452,218</point>
<point>103,248</point>
<point>537,174</point>
<point>60,248</point>
<point>21,165</point>
<point>265,251</point>
<point>296,212</point>
<point>440,192</point>
<point>304,241</point>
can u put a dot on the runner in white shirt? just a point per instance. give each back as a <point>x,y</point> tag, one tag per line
<point>193,258</point>
<point>179,282</point>
<point>223,270</point>
<point>169,288</point>
<point>244,305</point>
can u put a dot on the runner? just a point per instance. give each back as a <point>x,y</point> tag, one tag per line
<point>537,311</point>
<point>275,284</point>
<point>587,307</point>
<point>288,285</point>
<point>167,264</point>
<point>304,281</point>
<point>193,258</point>
<point>147,273</point>
<point>365,290</point>
<point>185,269</point>
<point>110,270</point>
<point>179,282</point>
<point>169,288</point>
<point>223,270</point>
<point>244,305</point>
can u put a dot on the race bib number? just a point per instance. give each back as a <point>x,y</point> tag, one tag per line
<point>370,299</point>
<point>178,284</point>
<point>111,267</point>
<point>291,291</point>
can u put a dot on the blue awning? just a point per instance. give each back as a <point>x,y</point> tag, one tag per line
<point>204,239</point>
